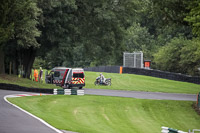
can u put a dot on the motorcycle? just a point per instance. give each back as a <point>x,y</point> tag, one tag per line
<point>107,82</point>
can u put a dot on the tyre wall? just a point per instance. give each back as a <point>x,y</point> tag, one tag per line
<point>13,87</point>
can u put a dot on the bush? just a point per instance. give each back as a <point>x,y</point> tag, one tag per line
<point>179,55</point>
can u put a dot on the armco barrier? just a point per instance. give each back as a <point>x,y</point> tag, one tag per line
<point>13,87</point>
<point>170,130</point>
<point>198,101</point>
<point>68,92</point>
<point>146,72</point>
<point>162,74</point>
<point>194,131</point>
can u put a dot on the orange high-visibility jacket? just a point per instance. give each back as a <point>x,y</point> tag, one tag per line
<point>35,73</point>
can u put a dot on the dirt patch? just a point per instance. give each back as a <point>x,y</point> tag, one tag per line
<point>8,77</point>
<point>104,115</point>
<point>194,106</point>
<point>75,111</point>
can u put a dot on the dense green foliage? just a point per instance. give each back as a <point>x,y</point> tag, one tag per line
<point>79,33</point>
<point>103,114</point>
<point>87,33</point>
<point>193,17</point>
<point>181,55</point>
<point>18,32</point>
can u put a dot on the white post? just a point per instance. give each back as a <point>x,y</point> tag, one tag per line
<point>134,59</point>
<point>124,60</point>
<point>142,59</point>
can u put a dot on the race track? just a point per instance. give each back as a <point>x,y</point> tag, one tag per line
<point>142,95</point>
<point>13,120</point>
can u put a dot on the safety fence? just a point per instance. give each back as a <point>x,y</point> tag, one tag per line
<point>68,92</point>
<point>146,72</point>
<point>170,130</point>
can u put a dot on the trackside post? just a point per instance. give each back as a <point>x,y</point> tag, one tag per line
<point>121,70</point>
<point>198,100</point>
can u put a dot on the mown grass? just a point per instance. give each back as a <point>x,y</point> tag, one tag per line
<point>141,83</point>
<point>13,79</point>
<point>102,114</point>
<point>119,82</point>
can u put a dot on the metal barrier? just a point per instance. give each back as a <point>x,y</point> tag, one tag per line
<point>194,131</point>
<point>68,92</point>
<point>170,130</point>
<point>14,87</point>
<point>198,100</point>
<point>146,72</point>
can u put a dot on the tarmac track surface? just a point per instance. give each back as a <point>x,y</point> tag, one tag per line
<point>142,95</point>
<point>13,120</point>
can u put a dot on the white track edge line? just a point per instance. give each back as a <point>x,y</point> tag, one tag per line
<point>44,122</point>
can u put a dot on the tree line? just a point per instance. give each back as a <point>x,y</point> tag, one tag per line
<point>81,33</point>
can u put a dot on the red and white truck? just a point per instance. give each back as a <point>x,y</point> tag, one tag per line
<point>66,77</point>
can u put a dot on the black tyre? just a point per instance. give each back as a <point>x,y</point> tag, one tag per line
<point>95,83</point>
<point>80,87</point>
<point>67,86</point>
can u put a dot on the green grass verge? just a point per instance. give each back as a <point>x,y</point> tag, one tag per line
<point>119,82</point>
<point>141,83</point>
<point>13,79</point>
<point>101,114</point>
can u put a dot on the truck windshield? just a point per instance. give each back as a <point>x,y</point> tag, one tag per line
<point>56,74</point>
<point>78,75</point>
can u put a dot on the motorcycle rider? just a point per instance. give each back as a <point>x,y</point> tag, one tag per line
<point>102,79</point>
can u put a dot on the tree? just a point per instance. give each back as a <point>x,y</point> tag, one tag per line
<point>193,17</point>
<point>165,20</point>
<point>190,57</point>
<point>86,32</point>
<point>179,55</point>
<point>139,39</point>
<point>6,28</point>
<point>21,16</point>
<point>168,56</point>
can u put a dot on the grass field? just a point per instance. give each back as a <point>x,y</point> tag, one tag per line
<point>13,79</point>
<point>141,83</point>
<point>101,114</point>
<point>119,82</point>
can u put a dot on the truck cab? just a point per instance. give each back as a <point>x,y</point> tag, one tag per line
<point>66,77</point>
<point>75,78</point>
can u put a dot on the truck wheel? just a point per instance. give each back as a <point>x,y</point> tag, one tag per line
<point>80,87</point>
<point>67,86</point>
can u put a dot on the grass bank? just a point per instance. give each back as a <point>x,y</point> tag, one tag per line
<point>141,83</point>
<point>13,79</point>
<point>101,114</point>
<point>119,82</point>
